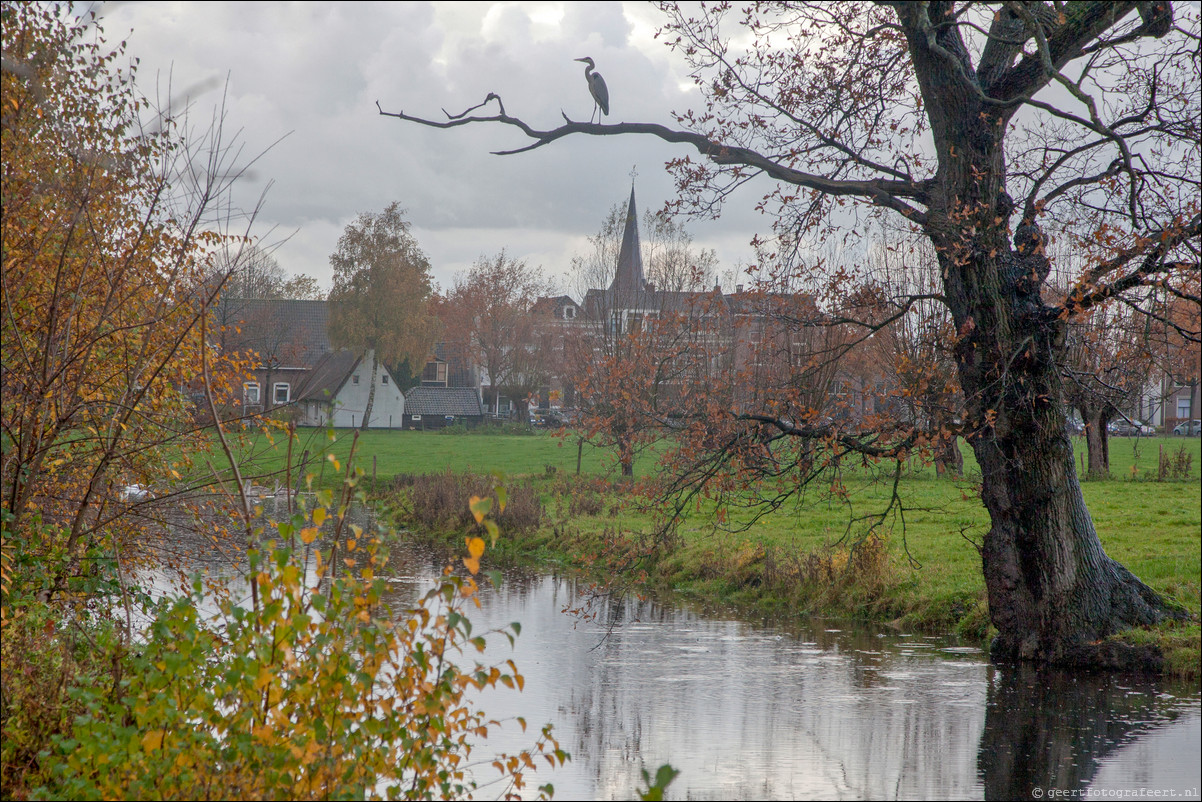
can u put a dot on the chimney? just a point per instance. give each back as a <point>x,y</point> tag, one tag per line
<point>738,288</point>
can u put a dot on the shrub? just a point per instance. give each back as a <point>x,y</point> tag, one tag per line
<point>311,693</point>
<point>438,502</point>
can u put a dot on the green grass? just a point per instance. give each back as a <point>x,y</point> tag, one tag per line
<point>928,575</point>
<point>394,452</point>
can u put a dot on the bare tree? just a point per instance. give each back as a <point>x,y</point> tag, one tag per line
<point>487,318</point>
<point>976,123</point>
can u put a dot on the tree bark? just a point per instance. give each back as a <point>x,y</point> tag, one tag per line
<point>371,390</point>
<point>1097,442</point>
<point>1053,592</point>
<point>626,454</point>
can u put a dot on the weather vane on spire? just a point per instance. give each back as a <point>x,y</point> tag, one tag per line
<point>634,173</point>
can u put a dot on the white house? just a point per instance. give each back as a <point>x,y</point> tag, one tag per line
<point>336,391</point>
<point>297,370</point>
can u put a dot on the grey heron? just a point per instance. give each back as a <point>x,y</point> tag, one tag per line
<point>596,87</point>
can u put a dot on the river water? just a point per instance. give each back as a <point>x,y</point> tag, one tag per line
<point>817,711</point>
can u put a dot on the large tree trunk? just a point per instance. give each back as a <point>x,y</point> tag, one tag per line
<point>1097,442</point>
<point>1053,592</point>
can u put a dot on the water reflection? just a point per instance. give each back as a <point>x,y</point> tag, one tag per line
<point>759,711</point>
<point>824,712</point>
<point>1049,730</point>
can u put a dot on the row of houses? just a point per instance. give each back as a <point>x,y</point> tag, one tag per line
<point>300,372</point>
<point>298,369</point>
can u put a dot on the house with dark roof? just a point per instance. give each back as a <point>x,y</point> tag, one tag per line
<point>296,366</point>
<point>432,407</point>
<point>336,390</point>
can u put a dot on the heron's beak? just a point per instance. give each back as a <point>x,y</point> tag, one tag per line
<point>579,59</point>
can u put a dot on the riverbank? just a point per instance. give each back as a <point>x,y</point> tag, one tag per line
<point>919,572</point>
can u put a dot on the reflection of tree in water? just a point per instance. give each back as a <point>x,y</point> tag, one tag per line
<point>1052,730</point>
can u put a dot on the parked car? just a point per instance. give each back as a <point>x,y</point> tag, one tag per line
<point>1124,428</point>
<point>1193,428</point>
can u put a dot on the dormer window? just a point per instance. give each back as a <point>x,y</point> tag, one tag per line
<point>569,312</point>
<point>435,372</point>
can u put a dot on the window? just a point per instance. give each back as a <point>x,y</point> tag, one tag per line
<point>384,379</point>
<point>569,312</point>
<point>250,393</point>
<point>1183,407</point>
<point>417,417</point>
<point>435,372</point>
<point>280,394</point>
<point>355,379</point>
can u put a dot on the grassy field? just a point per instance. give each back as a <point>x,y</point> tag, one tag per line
<point>394,452</point>
<point>923,572</point>
<point>404,452</point>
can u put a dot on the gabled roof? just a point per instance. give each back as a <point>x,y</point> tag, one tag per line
<point>328,375</point>
<point>458,401</point>
<point>295,333</point>
<point>552,305</point>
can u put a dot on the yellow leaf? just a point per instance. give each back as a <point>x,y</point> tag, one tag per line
<point>472,563</point>
<point>265,676</point>
<point>480,507</point>
<point>319,515</point>
<point>152,740</point>
<point>309,534</point>
<point>475,546</point>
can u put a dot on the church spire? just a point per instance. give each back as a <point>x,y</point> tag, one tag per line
<point>628,280</point>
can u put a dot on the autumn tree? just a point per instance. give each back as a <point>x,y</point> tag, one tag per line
<point>108,234</point>
<point>314,689</point>
<point>640,350</point>
<point>977,124</point>
<point>379,303</point>
<point>487,318</point>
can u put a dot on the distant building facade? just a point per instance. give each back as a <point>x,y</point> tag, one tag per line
<point>297,371</point>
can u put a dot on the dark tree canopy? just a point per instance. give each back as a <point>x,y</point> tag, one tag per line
<point>989,129</point>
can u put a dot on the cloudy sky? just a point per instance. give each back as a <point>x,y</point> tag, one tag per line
<point>306,77</point>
